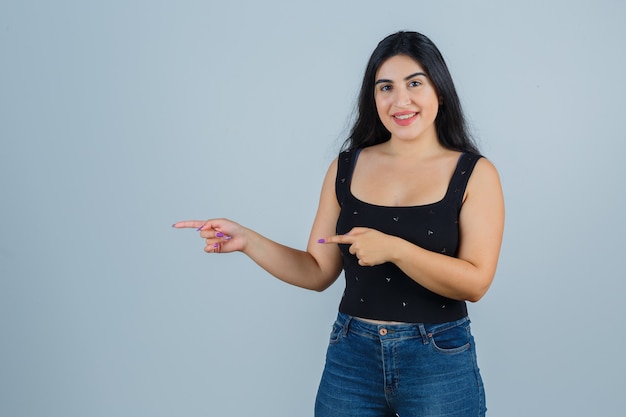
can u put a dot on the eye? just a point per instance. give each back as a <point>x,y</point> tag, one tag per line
<point>385,87</point>
<point>415,83</point>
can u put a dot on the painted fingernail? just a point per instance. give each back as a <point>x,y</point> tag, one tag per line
<point>321,241</point>
<point>219,234</point>
<point>216,245</point>
<point>228,238</point>
<point>199,228</point>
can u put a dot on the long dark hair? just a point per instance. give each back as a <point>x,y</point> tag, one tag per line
<point>450,123</point>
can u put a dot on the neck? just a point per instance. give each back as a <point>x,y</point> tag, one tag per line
<point>425,147</point>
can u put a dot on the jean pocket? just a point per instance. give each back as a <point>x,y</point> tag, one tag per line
<point>453,339</point>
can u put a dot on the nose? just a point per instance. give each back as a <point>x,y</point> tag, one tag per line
<point>401,98</point>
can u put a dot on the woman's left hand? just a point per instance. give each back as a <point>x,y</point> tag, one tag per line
<point>370,246</point>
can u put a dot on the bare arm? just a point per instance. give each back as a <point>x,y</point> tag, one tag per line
<point>466,277</point>
<point>316,268</point>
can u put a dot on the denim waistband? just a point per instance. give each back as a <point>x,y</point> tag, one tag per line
<point>393,331</point>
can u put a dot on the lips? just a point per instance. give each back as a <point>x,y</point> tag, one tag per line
<point>404,118</point>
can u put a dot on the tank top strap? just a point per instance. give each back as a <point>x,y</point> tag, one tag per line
<point>345,167</point>
<point>461,176</point>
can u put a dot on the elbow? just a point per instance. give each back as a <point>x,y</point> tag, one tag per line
<point>321,286</point>
<point>325,279</point>
<point>312,286</point>
<point>315,285</point>
<point>478,292</point>
<point>474,298</point>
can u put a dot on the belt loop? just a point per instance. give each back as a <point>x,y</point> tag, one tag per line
<point>425,338</point>
<point>346,326</point>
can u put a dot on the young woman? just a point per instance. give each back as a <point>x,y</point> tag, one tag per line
<point>414,217</point>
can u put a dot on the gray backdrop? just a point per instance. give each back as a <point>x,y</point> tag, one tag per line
<point>118,118</point>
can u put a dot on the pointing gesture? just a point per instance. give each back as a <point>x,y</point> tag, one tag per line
<point>370,246</point>
<point>220,235</point>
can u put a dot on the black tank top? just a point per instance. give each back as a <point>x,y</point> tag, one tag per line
<point>384,292</point>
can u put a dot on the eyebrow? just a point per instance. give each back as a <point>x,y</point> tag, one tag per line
<point>405,78</point>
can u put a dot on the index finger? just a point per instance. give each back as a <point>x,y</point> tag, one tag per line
<point>189,224</point>
<point>340,239</point>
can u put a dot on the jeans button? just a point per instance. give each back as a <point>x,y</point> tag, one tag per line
<point>382,331</point>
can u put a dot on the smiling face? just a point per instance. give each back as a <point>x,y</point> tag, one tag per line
<point>406,100</point>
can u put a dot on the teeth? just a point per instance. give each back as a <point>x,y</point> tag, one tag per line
<point>405,116</point>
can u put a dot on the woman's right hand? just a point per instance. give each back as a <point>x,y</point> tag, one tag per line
<point>220,235</point>
<point>315,268</point>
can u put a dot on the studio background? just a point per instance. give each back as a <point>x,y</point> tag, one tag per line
<point>119,118</point>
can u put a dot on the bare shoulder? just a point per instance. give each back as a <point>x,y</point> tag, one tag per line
<point>333,165</point>
<point>329,179</point>
<point>484,164</point>
<point>484,181</point>
<point>484,172</point>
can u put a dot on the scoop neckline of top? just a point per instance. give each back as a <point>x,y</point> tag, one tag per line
<point>356,157</point>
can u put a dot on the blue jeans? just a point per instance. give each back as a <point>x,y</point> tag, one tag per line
<point>405,370</point>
